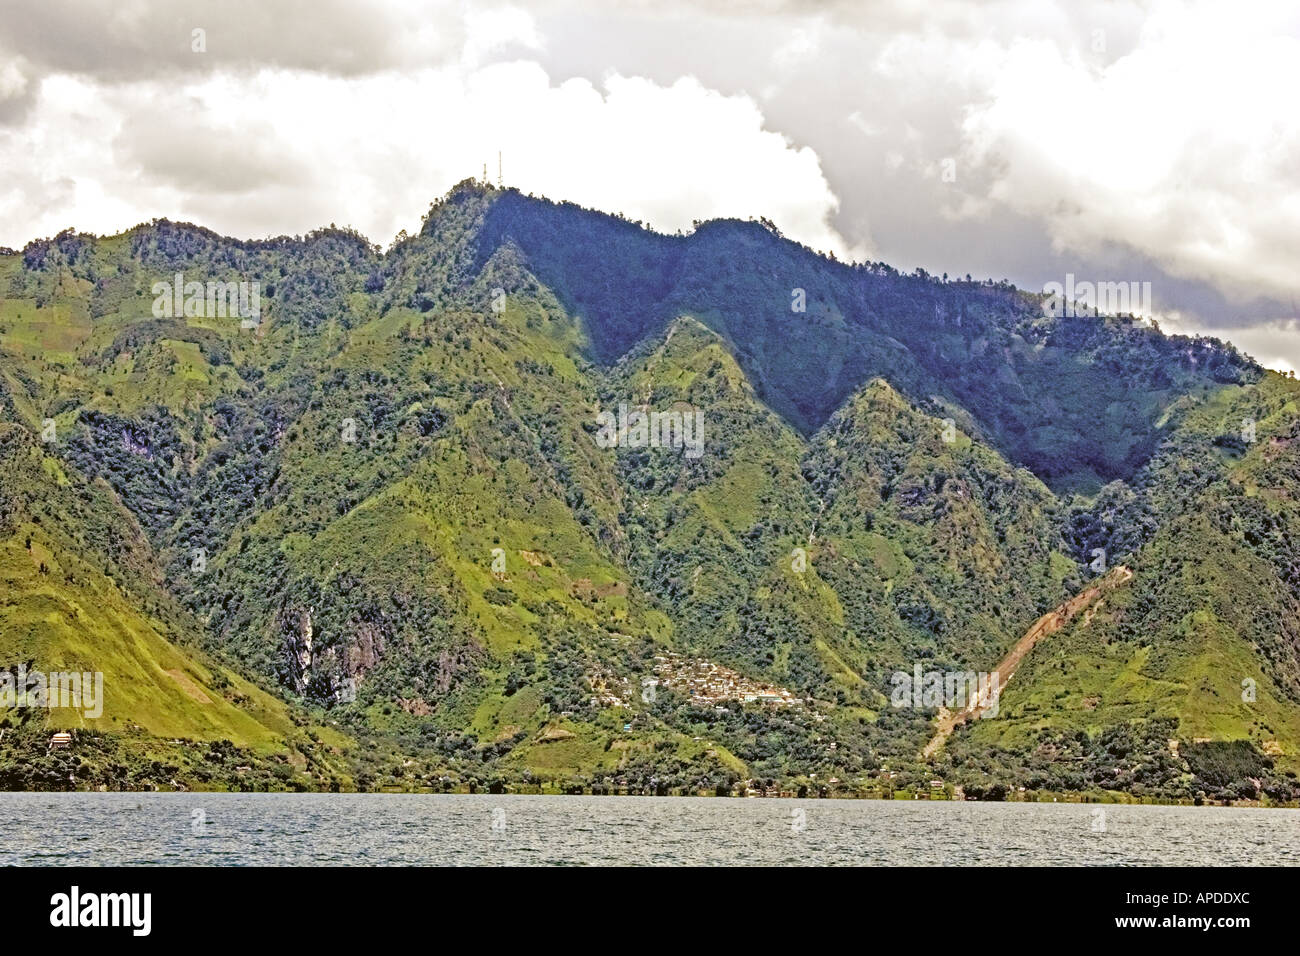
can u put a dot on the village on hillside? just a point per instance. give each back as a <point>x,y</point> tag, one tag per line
<point>704,681</point>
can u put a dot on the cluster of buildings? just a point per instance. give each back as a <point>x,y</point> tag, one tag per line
<point>609,690</point>
<point>705,682</point>
<point>711,683</point>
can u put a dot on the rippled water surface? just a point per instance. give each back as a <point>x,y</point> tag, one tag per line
<point>375,829</point>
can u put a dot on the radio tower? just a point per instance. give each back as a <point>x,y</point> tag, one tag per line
<point>499,181</point>
<point>485,179</point>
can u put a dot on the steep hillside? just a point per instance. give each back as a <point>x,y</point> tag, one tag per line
<point>538,497</point>
<point>83,596</point>
<point>1080,401</point>
<point>1205,637</point>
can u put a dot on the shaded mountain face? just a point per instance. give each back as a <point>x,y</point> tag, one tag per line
<point>1079,401</point>
<point>538,495</point>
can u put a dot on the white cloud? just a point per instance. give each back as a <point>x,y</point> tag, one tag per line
<point>496,29</point>
<point>1170,154</point>
<point>801,48</point>
<point>1186,148</point>
<point>287,151</point>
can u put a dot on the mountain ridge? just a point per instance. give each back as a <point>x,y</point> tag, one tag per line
<point>452,583</point>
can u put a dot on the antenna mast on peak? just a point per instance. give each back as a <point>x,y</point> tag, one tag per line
<point>499,180</point>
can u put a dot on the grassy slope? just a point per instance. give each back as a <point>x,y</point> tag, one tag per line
<point>1205,634</point>
<point>71,607</point>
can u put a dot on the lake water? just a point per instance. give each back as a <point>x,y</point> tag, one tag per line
<point>382,829</point>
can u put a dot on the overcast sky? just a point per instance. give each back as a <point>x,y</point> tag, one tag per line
<point>1149,142</point>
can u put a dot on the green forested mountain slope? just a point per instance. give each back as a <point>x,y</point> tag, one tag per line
<point>389,503</point>
<point>82,594</point>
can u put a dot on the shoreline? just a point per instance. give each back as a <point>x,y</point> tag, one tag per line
<point>905,796</point>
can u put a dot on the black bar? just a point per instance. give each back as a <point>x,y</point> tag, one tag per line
<point>306,905</point>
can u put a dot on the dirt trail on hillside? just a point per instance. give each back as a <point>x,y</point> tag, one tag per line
<point>1049,623</point>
